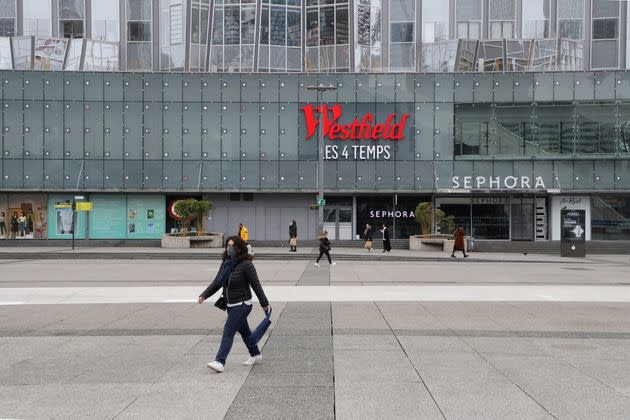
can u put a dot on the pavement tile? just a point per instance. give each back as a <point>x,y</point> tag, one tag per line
<point>272,402</point>
<point>379,401</point>
<point>353,367</point>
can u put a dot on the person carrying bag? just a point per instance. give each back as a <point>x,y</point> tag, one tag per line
<point>236,276</point>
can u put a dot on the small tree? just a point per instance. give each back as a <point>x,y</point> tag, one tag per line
<point>191,209</point>
<point>425,215</point>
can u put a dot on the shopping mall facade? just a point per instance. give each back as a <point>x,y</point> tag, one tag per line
<point>502,134</point>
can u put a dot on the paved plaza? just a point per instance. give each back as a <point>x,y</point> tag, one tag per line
<point>361,340</point>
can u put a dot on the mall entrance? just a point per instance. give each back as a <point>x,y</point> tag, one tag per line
<point>338,218</point>
<point>498,217</point>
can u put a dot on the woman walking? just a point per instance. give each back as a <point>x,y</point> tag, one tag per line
<point>3,224</point>
<point>368,236</point>
<point>459,244</point>
<point>324,248</point>
<point>14,225</point>
<point>293,236</point>
<point>236,275</point>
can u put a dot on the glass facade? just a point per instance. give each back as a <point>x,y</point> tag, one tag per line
<point>186,132</point>
<point>311,36</point>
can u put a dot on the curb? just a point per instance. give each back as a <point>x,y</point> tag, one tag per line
<point>262,256</point>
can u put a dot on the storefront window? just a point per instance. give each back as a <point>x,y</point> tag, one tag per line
<point>491,218</point>
<point>610,218</point>
<point>374,210</point>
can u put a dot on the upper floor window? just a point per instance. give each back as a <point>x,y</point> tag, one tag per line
<point>468,19</point>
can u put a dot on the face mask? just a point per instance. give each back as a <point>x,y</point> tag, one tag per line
<point>231,251</point>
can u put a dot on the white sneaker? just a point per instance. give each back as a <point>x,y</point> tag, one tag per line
<point>333,264</point>
<point>252,360</point>
<point>216,366</point>
<point>316,264</point>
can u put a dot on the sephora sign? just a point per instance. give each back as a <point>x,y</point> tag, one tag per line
<point>365,129</point>
<point>498,183</point>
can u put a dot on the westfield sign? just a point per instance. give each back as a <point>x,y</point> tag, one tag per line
<point>365,129</point>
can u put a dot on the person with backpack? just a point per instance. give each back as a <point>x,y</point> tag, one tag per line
<point>236,276</point>
<point>324,248</point>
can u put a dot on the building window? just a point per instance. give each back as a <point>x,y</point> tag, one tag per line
<point>199,20</point>
<point>7,17</point>
<point>36,18</point>
<point>402,31</point>
<point>368,36</point>
<point>502,19</point>
<point>232,41</point>
<point>468,19</point>
<point>280,37</point>
<point>105,21</point>
<point>139,35</point>
<point>327,37</point>
<point>172,35</point>
<point>435,21</point>
<point>610,217</point>
<point>535,19</point>
<point>605,42</point>
<point>571,19</point>
<point>71,16</point>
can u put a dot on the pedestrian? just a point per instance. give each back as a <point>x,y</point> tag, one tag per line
<point>293,236</point>
<point>22,224</point>
<point>324,248</point>
<point>368,236</point>
<point>458,244</point>
<point>236,276</point>
<point>3,224</point>
<point>243,233</point>
<point>387,246</point>
<point>29,222</point>
<point>14,225</point>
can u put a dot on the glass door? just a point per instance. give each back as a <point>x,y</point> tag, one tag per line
<point>338,222</point>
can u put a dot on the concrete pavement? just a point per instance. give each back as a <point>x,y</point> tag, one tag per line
<point>363,339</point>
<point>321,360</point>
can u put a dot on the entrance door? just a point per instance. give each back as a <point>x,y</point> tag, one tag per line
<point>523,226</point>
<point>338,222</point>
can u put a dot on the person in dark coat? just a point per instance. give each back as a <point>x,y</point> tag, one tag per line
<point>293,236</point>
<point>368,236</point>
<point>459,244</point>
<point>387,246</point>
<point>236,276</point>
<point>324,248</point>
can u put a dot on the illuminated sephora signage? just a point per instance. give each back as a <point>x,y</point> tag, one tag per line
<point>498,183</point>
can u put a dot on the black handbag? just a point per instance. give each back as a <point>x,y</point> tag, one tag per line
<point>221,303</point>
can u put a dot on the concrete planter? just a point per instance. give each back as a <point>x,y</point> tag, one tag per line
<point>439,243</point>
<point>211,240</point>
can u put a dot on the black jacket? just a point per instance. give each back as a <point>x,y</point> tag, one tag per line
<point>237,288</point>
<point>293,231</point>
<point>368,235</point>
<point>386,234</point>
<point>324,244</point>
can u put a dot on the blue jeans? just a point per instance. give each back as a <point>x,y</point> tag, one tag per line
<point>236,322</point>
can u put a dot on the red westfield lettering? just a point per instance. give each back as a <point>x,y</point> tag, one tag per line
<point>365,129</point>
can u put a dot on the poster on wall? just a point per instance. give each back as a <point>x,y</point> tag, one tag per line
<point>108,215</point>
<point>60,226</point>
<point>146,216</point>
<point>23,216</point>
